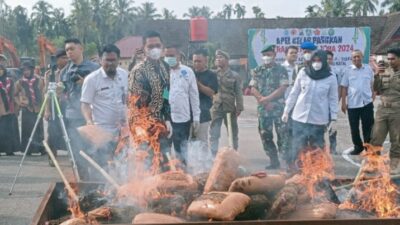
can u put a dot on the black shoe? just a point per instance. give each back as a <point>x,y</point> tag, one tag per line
<point>356,151</point>
<point>10,154</point>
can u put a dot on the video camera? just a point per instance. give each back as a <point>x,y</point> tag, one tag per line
<point>79,74</point>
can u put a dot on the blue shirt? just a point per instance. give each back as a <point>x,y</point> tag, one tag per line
<point>358,82</point>
<point>313,101</point>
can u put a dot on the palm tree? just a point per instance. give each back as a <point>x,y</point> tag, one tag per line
<point>394,5</point>
<point>148,11</point>
<point>206,12</point>
<point>168,14</point>
<point>41,16</point>
<point>228,9</point>
<point>24,30</point>
<point>363,7</point>
<point>219,15</point>
<point>257,12</point>
<point>240,11</point>
<point>60,23</point>
<point>335,8</point>
<point>81,19</point>
<point>312,11</point>
<point>193,12</point>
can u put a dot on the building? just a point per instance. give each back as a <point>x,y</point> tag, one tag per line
<point>128,46</point>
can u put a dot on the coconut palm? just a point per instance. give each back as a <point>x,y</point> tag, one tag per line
<point>240,11</point>
<point>168,14</point>
<point>206,12</point>
<point>227,11</point>
<point>394,5</point>
<point>193,12</point>
<point>60,23</point>
<point>335,8</point>
<point>312,11</point>
<point>363,7</point>
<point>41,16</point>
<point>258,12</point>
<point>147,11</point>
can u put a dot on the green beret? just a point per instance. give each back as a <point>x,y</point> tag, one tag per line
<point>268,48</point>
<point>222,53</point>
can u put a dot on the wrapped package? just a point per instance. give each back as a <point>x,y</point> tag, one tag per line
<point>223,206</point>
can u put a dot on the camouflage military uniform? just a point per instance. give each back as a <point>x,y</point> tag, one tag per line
<point>266,80</point>
<point>387,118</point>
<point>229,99</point>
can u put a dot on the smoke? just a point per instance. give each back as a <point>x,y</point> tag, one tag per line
<point>199,158</point>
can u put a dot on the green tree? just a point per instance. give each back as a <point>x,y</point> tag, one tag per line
<point>81,19</point>
<point>168,14</point>
<point>41,17</point>
<point>240,11</point>
<point>258,13</point>
<point>24,31</point>
<point>193,12</point>
<point>363,7</point>
<point>147,11</point>
<point>335,8</point>
<point>394,5</point>
<point>228,10</point>
<point>206,12</point>
<point>312,11</point>
<point>61,27</point>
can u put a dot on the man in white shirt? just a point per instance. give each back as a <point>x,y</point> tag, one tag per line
<point>357,99</point>
<point>184,100</point>
<point>291,66</point>
<point>103,100</point>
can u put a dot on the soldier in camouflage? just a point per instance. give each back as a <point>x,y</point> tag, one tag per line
<point>387,118</point>
<point>269,83</point>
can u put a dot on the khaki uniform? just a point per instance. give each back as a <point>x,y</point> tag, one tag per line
<point>229,99</point>
<point>387,118</point>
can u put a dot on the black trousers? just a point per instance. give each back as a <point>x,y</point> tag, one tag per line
<point>180,138</point>
<point>366,115</point>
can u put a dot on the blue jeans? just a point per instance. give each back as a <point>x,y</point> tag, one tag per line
<point>304,135</point>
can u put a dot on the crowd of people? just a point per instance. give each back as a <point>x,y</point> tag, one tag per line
<point>297,102</point>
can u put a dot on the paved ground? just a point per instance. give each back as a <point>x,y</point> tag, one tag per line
<point>36,175</point>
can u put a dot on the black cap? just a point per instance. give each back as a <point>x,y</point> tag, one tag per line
<point>60,52</point>
<point>27,64</point>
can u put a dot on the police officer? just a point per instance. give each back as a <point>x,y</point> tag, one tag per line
<point>387,118</point>
<point>269,83</point>
<point>229,99</point>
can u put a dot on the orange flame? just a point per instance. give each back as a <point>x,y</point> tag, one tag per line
<point>379,194</point>
<point>146,129</point>
<point>315,165</point>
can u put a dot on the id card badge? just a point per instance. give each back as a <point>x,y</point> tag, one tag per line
<point>165,94</point>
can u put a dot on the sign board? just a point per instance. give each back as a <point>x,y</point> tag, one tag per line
<point>341,41</point>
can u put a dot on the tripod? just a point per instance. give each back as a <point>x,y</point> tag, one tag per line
<point>52,96</point>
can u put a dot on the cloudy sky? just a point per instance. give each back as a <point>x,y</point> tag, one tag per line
<point>271,8</point>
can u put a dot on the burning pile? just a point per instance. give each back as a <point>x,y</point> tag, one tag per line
<point>161,193</point>
<point>374,190</point>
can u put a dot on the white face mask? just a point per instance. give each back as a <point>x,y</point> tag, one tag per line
<point>317,65</point>
<point>307,56</point>
<point>267,59</point>
<point>155,53</point>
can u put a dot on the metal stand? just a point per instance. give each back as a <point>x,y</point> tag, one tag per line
<point>52,96</point>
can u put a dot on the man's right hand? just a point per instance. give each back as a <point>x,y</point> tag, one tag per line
<point>169,128</point>
<point>344,108</point>
<point>285,117</point>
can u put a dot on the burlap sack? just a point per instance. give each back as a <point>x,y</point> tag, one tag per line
<point>310,211</point>
<point>255,185</point>
<point>224,170</point>
<point>223,206</point>
<point>155,218</point>
<point>95,135</point>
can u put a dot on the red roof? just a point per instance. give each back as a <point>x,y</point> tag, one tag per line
<point>128,45</point>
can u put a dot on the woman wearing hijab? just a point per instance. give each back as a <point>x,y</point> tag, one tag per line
<point>314,100</point>
<point>28,96</point>
<point>9,133</point>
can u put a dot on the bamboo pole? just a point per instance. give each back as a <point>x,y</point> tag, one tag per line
<point>363,182</point>
<point>64,179</point>
<point>101,170</point>
<point>230,132</point>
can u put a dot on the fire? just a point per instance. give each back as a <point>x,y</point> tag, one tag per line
<point>316,165</point>
<point>376,193</point>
